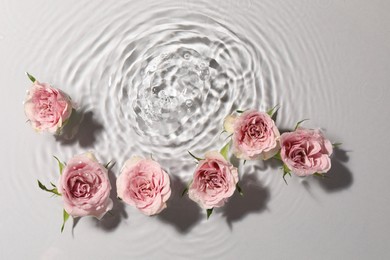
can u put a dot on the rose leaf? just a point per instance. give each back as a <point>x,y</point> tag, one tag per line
<point>209,212</point>
<point>239,190</point>
<point>273,110</point>
<point>61,165</point>
<point>193,156</point>
<point>286,171</point>
<point>228,136</point>
<point>277,156</point>
<point>240,111</point>
<point>225,150</point>
<point>65,217</point>
<point>336,145</point>
<point>185,191</point>
<point>43,187</point>
<point>299,123</point>
<point>320,175</point>
<point>31,77</point>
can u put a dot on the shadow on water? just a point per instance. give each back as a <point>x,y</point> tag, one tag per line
<point>82,128</point>
<point>254,199</point>
<point>339,177</point>
<point>111,220</point>
<point>181,212</point>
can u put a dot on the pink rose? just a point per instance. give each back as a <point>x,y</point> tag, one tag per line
<point>255,135</point>
<point>144,184</point>
<point>47,108</point>
<point>214,181</point>
<point>85,187</point>
<point>306,151</point>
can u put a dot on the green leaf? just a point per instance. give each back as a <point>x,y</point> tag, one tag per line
<point>277,156</point>
<point>110,164</point>
<point>239,189</point>
<point>43,187</point>
<point>209,212</point>
<point>225,150</point>
<point>299,123</point>
<point>66,217</point>
<point>244,162</point>
<point>336,145</point>
<point>273,110</point>
<point>228,136</point>
<point>119,198</point>
<point>31,77</point>
<point>61,165</point>
<point>240,111</point>
<point>184,192</point>
<point>286,171</point>
<point>320,175</point>
<point>193,156</point>
<point>52,184</point>
<point>186,189</point>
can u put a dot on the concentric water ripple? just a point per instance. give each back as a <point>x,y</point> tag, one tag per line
<point>160,78</point>
<point>174,83</point>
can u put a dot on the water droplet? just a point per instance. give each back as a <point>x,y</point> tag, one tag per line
<point>189,103</point>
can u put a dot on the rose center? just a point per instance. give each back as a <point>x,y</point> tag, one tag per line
<point>84,185</point>
<point>142,188</point>
<point>210,180</point>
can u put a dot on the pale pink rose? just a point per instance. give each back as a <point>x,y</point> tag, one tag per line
<point>47,108</point>
<point>214,181</point>
<point>144,184</point>
<point>85,187</point>
<point>255,135</point>
<point>306,151</point>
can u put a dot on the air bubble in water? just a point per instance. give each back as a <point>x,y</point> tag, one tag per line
<point>189,103</point>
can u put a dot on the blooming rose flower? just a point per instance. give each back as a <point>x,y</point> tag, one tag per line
<point>255,135</point>
<point>47,108</point>
<point>306,151</point>
<point>85,187</point>
<point>144,184</point>
<point>214,181</point>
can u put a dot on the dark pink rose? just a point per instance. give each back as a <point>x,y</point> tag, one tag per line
<point>85,187</point>
<point>144,184</point>
<point>47,108</point>
<point>306,151</point>
<point>214,181</point>
<point>255,135</point>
